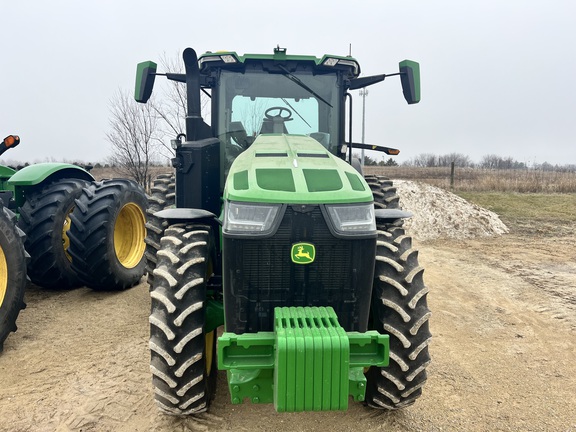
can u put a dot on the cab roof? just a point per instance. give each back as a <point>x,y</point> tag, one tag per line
<point>231,60</point>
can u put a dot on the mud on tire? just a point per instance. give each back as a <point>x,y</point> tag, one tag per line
<point>13,278</point>
<point>162,196</point>
<point>107,235</point>
<point>45,218</point>
<point>399,308</point>
<point>182,355</point>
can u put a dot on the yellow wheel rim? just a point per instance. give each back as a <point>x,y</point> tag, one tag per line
<point>129,235</point>
<point>209,346</point>
<point>3,276</point>
<point>65,238</point>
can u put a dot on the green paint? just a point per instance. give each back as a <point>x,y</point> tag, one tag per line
<point>279,55</point>
<point>214,315</point>
<point>309,363</point>
<point>355,181</point>
<point>275,179</point>
<point>241,180</point>
<point>35,174</point>
<point>6,172</point>
<point>292,176</point>
<point>322,180</point>
<point>303,253</point>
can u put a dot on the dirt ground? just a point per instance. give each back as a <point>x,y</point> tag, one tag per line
<point>504,350</point>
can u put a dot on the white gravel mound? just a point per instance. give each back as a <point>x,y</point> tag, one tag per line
<point>441,214</point>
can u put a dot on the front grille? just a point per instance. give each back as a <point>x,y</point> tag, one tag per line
<point>260,275</point>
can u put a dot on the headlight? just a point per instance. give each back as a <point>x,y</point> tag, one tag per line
<point>352,219</point>
<point>251,219</point>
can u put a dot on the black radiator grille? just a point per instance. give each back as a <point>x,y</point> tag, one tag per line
<point>259,274</point>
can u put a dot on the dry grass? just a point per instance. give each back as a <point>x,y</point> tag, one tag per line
<point>480,180</point>
<point>109,173</point>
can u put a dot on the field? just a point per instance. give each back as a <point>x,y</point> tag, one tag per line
<point>481,180</point>
<point>504,343</point>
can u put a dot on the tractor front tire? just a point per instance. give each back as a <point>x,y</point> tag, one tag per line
<point>13,278</point>
<point>107,235</point>
<point>45,218</point>
<point>399,309</point>
<point>182,355</point>
<point>162,196</point>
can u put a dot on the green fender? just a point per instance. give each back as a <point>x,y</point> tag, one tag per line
<point>37,174</point>
<point>6,172</point>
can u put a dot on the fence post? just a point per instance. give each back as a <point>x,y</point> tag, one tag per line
<point>452,176</point>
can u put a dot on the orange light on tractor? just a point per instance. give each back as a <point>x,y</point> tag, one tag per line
<point>11,140</point>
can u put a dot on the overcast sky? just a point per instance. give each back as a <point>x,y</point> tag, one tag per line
<point>498,77</point>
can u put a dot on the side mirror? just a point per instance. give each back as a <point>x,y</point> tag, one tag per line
<point>145,76</point>
<point>410,78</point>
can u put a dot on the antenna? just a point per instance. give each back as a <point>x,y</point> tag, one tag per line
<point>350,50</point>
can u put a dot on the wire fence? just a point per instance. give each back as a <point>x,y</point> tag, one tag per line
<point>484,180</point>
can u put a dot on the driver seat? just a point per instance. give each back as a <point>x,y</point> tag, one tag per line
<point>270,126</point>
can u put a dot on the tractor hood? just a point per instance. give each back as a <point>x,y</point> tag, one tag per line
<point>279,168</point>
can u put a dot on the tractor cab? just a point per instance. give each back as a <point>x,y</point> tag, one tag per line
<point>275,94</point>
<point>256,94</point>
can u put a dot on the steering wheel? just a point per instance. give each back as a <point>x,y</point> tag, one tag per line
<point>279,115</point>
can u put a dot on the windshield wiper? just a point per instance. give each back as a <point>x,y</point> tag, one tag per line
<point>295,79</point>
<point>294,109</point>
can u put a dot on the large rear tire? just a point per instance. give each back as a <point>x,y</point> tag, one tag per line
<point>13,278</point>
<point>384,192</point>
<point>399,308</point>
<point>45,218</point>
<point>182,355</point>
<point>162,196</point>
<point>107,235</point>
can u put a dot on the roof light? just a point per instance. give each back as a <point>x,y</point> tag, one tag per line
<point>228,58</point>
<point>350,63</point>
<point>330,61</point>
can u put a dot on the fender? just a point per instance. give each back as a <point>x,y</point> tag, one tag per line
<point>6,172</point>
<point>383,215</point>
<point>186,214</point>
<point>38,173</point>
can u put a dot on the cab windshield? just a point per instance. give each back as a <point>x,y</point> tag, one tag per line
<point>257,102</point>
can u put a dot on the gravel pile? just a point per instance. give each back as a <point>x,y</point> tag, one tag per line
<point>441,214</point>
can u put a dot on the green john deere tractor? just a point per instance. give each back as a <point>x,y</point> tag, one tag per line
<point>271,230</point>
<point>64,229</point>
<point>76,231</point>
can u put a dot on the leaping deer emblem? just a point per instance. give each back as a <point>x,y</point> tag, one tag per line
<point>303,253</point>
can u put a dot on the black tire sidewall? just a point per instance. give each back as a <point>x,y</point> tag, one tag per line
<point>92,234</point>
<point>16,281</point>
<point>68,278</point>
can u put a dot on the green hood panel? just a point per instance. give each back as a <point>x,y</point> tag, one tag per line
<point>292,169</point>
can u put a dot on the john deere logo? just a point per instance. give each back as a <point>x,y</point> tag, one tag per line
<point>303,253</point>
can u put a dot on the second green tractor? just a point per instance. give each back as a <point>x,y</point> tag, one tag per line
<point>63,229</point>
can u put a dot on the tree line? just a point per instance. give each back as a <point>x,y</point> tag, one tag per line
<point>490,161</point>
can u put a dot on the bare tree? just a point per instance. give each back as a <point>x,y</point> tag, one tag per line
<point>171,104</point>
<point>134,137</point>
<point>140,133</point>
